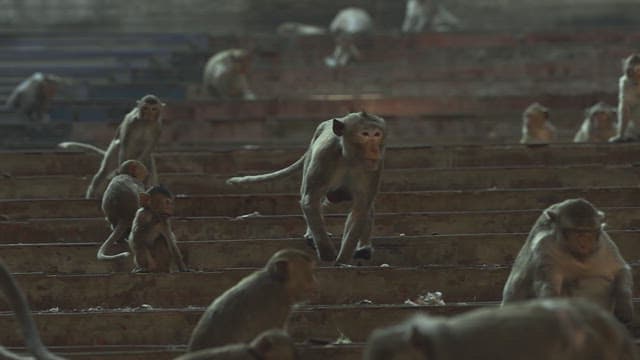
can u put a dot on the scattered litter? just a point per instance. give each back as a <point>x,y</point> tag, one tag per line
<point>402,234</point>
<point>365,302</point>
<point>251,147</point>
<point>385,265</point>
<point>54,310</point>
<point>146,307</point>
<point>430,298</point>
<point>247,216</point>
<point>343,339</point>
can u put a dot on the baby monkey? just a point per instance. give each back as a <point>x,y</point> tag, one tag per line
<point>536,125</point>
<point>599,124</point>
<point>120,202</point>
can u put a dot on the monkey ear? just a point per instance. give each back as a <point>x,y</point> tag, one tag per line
<point>338,127</point>
<point>281,269</point>
<point>600,217</point>
<point>145,199</point>
<point>551,214</point>
<point>262,346</point>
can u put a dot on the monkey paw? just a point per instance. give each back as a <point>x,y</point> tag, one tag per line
<point>363,253</point>
<point>139,270</point>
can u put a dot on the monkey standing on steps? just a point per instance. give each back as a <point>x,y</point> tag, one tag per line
<point>428,15</point>
<point>135,139</point>
<point>343,163</point>
<point>549,329</point>
<point>629,101</point>
<point>32,97</point>
<point>225,75</point>
<point>120,202</point>
<point>259,302</point>
<point>568,253</point>
<point>348,27</point>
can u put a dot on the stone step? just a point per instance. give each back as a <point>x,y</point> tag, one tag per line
<point>131,326</point>
<point>180,160</point>
<point>393,180</point>
<point>209,255</point>
<point>125,290</point>
<point>281,226</point>
<point>282,204</point>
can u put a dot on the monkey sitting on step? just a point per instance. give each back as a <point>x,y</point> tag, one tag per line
<point>135,139</point>
<point>32,97</point>
<point>568,253</point>
<point>343,163</point>
<point>536,125</point>
<point>259,302</point>
<point>599,124</point>
<point>225,75</point>
<point>348,27</point>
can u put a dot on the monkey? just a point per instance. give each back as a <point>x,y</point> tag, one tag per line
<point>274,344</point>
<point>629,101</point>
<point>428,14</point>
<point>225,75</point>
<point>135,139</point>
<point>120,202</point>
<point>349,25</point>
<point>569,254</point>
<point>259,302</point>
<point>297,29</point>
<point>151,240</point>
<point>599,124</point>
<point>536,125</point>
<point>343,163</point>
<point>31,99</point>
<point>552,329</point>
<point>20,306</point>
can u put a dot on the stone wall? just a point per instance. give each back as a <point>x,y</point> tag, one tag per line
<point>239,16</point>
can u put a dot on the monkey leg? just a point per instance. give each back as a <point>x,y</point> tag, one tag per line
<point>312,210</point>
<point>150,162</point>
<point>364,250</point>
<point>354,227</point>
<point>108,164</point>
<point>622,294</point>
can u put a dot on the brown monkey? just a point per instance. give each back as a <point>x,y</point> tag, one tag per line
<point>599,124</point>
<point>428,14</point>
<point>152,241</point>
<point>274,344</point>
<point>348,26</point>
<point>18,303</point>
<point>536,125</point>
<point>120,202</point>
<point>259,302</point>
<point>135,139</point>
<point>568,253</point>
<point>550,329</point>
<point>225,74</point>
<point>629,101</point>
<point>32,97</point>
<point>297,29</point>
<point>343,162</point>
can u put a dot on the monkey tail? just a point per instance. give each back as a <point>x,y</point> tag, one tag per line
<point>18,302</point>
<point>73,144</point>
<point>118,233</point>
<point>269,176</point>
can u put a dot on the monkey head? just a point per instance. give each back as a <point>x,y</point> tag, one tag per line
<point>602,117</point>
<point>135,169</point>
<point>150,108</point>
<point>578,225</point>
<point>362,137</point>
<point>535,116</point>
<point>274,344</point>
<point>409,340</point>
<point>631,67</point>
<point>241,61</point>
<point>296,269</point>
<point>158,200</point>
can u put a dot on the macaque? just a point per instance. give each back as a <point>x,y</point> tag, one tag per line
<point>349,25</point>
<point>297,29</point>
<point>120,202</point>
<point>259,302</point>
<point>225,75</point>
<point>550,329</point>
<point>135,139</point>
<point>152,241</point>
<point>569,254</point>
<point>32,97</point>
<point>343,163</point>
<point>599,124</point>
<point>629,101</point>
<point>274,344</point>
<point>20,306</point>
<point>536,125</point>
<point>428,15</point>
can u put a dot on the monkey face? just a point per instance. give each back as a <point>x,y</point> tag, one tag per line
<point>150,112</point>
<point>536,120</point>
<point>370,141</point>
<point>301,283</point>
<point>602,120</point>
<point>581,243</point>
<point>140,172</point>
<point>161,205</point>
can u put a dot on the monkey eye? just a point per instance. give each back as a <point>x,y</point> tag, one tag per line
<point>377,134</point>
<point>365,133</point>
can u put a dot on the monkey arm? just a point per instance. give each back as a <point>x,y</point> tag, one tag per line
<point>624,108</point>
<point>547,281</point>
<point>622,293</point>
<point>172,245</point>
<point>125,137</point>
